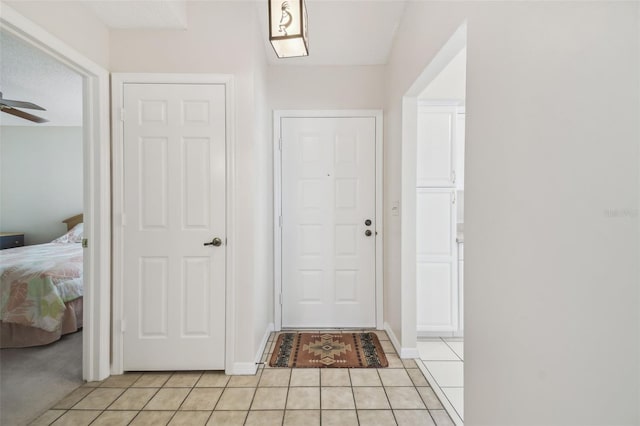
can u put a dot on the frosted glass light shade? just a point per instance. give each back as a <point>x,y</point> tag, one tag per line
<point>288,28</point>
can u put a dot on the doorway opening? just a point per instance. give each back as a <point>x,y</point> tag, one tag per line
<point>95,188</point>
<point>432,238</point>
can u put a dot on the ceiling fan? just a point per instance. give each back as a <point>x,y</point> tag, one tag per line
<point>9,106</point>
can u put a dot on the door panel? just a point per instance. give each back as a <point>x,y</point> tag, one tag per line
<point>436,150</point>
<point>174,202</point>
<point>328,191</point>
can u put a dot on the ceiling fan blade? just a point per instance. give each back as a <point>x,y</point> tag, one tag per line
<point>24,115</point>
<point>20,104</point>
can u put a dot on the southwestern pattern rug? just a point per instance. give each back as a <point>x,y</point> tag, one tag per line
<point>322,350</point>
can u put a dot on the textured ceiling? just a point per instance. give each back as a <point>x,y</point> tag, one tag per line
<point>169,14</point>
<point>27,74</point>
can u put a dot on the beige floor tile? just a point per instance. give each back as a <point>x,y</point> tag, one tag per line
<point>213,379</point>
<point>73,398</point>
<point>430,399</point>
<point>402,398</point>
<point>371,398</point>
<point>376,418</point>
<point>337,398</point>
<point>303,398</point>
<point>227,418</point>
<point>302,418</point>
<point>202,399</point>
<point>305,377</point>
<point>236,399</point>
<point>152,418</point>
<point>264,418</point>
<point>99,399</point>
<point>47,418</point>
<point>269,399</point>
<point>133,399</point>
<point>167,399</point>
<point>413,418</point>
<point>244,381</point>
<point>417,377</point>
<point>364,377</point>
<point>394,361</point>
<point>190,418</point>
<point>339,418</point>
<point>92,384</point>
<point>183,380</point>
<point>121,380</point>
<point>409,363</point>
<point>382,335</point>
<point>334,377</point>
<point>387,347</point>
<point>275,377</point>
<point>152,380</point>
<point>395,377</point>
<point>77,418</point>
<point>114,418</point>
<point>441,418</point>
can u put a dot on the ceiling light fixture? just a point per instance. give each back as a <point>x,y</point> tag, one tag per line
<point>288,28</point>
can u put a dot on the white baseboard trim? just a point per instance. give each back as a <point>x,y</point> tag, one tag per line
<point>244,369</point>
<point>263,343</point>
<point>404,353</point>
<point>251,368</point>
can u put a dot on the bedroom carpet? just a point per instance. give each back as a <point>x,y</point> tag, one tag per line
<point>33,379</point>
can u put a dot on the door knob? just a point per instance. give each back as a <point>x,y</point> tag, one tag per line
<point>217,242</point>
<point>367,222</point>
<point>367,233</point>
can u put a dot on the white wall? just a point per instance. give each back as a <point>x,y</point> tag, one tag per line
<point>451,83</point>
<point>220,39</point>
<point>71,22</point>
<point>551,226</point>
<point>40,180</point>
<point>326,87</point>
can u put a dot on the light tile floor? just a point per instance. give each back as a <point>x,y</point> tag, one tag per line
<point>444,360</point>
<point>397,395</point>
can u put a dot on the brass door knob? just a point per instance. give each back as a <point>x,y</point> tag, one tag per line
<point>217,242</point>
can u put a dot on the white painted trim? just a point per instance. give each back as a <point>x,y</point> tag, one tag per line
<point>117,86</point>
<point>278,115</point>
<point>97,208</point>
<point>263,343</point>
<point>404,353</point>
<point>410,101</point>
<point>242,369</point>
<point>440,394</point>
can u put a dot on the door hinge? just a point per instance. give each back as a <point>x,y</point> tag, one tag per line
<point>280,144</point>
<point>123,326</point>
<point>280,298</point>
<point>280,221</point>
<point>85,243</point>
<point>453,198</point>
<point>453,176</point>
<point>121,114</point>
<point>123,219</point>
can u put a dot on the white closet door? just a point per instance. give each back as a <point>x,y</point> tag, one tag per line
<point>174,202</point>
<point>328,194</point>
<point>436,271</point>
<point>436,148</point>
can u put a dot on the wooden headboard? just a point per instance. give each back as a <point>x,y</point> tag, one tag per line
<point>73,221</point>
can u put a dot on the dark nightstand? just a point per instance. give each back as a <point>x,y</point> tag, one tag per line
<point>11,240</point>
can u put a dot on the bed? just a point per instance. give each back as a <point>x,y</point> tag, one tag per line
<point>41,290</point>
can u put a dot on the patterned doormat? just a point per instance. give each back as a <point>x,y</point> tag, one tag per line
<point>321,350</point>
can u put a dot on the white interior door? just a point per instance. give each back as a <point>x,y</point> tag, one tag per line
<point>436,148</point>
<point>328,222</point>
<point>436,250</point>
<point>174,202</point>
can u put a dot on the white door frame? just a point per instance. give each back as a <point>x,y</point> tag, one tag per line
<point>96,188</point>
<point>118,80</point>
<point>278,115</point>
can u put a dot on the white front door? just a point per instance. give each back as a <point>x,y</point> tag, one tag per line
<point>328,222</point>
<point>174,203</point>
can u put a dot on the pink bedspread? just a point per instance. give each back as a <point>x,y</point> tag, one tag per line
<point>36,281</point>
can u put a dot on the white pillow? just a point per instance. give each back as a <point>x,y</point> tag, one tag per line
<point>73,236</point>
